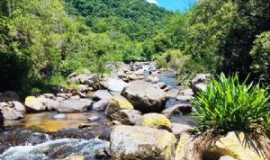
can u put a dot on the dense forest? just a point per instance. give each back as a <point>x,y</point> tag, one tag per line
<point>44,41</point>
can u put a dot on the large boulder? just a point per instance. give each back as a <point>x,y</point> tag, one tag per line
<point>34,103</point>
<point>137,143</point>
<point>145,96</point>
<point>59,149</point>
<point>114,84</point>
<point>74,105</point>
<point>12,110</point>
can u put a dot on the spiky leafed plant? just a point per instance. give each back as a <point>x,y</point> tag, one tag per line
<point>228,105</point>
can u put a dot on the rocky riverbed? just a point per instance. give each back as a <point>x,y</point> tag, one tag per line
<point>137,112</point>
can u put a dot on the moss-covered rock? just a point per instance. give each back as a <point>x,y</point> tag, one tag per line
<point>156,120</point>
<point>116,104</point>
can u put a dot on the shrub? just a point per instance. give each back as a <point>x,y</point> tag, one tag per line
<point>228,105</point>
<point>260,54</point>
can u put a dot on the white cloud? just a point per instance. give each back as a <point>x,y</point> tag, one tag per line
<point>152,1</point>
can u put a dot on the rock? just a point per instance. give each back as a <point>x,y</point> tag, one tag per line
<point>34,103</point>
<point>145,96</point>
<point>58,149</point>
<point>75,157</point>
<point>93,118</point>
<point>127,117</point>
<point>64,95</point>
<point>199,83</point>
<point>156,120</point>
<point>13,110</point>
<point>114,84</point>
<point>161,85</point>
<point>226,158</point>
<point>100,105</point>
<point>74,105</point>
<point>141,143</point>
<point>178,128</point>
<point>231,144</point>
<point>88,79</point>
<point>152,79</point>
<point>116,104</point>
<point>187,92</point>
<point>49,103</point>
<point>184,99</point>
<point>102,94</point>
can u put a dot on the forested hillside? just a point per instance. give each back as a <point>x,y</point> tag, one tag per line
<point>47,40</point>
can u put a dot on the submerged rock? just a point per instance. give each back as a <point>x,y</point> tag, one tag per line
<point>141,143</point>
<point>145,96</point>
<point>58,149</point>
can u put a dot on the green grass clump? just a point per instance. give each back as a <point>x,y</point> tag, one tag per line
<point>228,105</point>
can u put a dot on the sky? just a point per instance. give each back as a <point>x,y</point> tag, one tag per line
<point>174,5</point>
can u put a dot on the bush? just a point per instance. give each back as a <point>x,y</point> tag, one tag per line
<point>260,54</point>
<point>227,105</point>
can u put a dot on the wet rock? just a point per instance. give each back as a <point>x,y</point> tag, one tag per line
<point>34,103</point>
<point>57,149</point>
<point>12,110</point>
<point>145,96</point>
<point>116,104</point>
<point>114,84</point>
<point>127,117</point>
<point>74,105</point>
<point>102,94</point>
<point>100,105</point>
<point>156,120</point>
<point>152,79</point>
<point>93,118</point>
<point>138,143</point>
<point>199,83</point>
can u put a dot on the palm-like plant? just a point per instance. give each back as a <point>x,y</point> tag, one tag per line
<point>228,105</point>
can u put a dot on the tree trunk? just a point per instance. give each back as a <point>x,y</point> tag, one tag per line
<point>198,146</point>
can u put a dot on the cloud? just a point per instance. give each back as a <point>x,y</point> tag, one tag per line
<point>152,1</point>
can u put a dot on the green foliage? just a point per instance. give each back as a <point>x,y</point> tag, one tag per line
<point>221,33</point>
<point>260,54</point>
<point>227,105</point>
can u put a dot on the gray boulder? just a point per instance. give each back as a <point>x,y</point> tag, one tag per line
<point>127,117</point>
<point>12,110</point>
<point>114,84</point>
<point>138,143</point>
<point>102,94</point>
<point>100,105</point>
<point>74,105</point>
<point>58,149</point>
<point>146,97</point>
